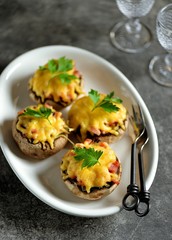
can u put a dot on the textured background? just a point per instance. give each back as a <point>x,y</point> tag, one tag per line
<point>29,24</point>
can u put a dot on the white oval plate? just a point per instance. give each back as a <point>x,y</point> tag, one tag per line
<point>43,178</point>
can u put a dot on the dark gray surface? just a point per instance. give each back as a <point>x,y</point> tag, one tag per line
<point>28,24</point>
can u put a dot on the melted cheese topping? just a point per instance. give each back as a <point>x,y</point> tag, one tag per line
<point>98,121</point>
<point>42,130</point>
<point>47,85</point>
<point>98,175</point>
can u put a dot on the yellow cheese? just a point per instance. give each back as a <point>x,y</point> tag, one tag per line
<point>100,121</point>
<point>47,85</point>
<point>41,130</point>
<point>95,176</point>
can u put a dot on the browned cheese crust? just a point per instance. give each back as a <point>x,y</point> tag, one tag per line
<point>95,194</point>
<point>56,105</point>
<point>109,138</point>
<point>36,150</point>
<point>112,138</point>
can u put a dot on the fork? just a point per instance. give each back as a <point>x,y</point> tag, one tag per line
<point>140,138</point>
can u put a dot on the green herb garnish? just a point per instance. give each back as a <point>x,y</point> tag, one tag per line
<point>42,112</point>
<point>107,103</point>
<point>64,64</point>
<point>66,78</point>
<point>60,69</point>
<point>52,66</point>
<point>89,156</point>
<point>42,68</point>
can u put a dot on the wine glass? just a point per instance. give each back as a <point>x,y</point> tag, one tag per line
<point>160,66</point>
<point>131,35</point>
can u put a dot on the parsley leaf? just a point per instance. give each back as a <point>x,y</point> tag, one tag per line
<point>42,112</point>
<point>42,68</point>
<point>66,78</point>
<point>109,107</point>
<point>52,66</point>
<point>107,103</point>
<point>94,95</point>
<point>60,68</point>
<point>89,156</point>
<point>109,97</point>
<point>64,64</point>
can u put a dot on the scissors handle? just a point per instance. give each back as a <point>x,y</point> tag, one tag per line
<point>131,198</point>
<point>143,207</point>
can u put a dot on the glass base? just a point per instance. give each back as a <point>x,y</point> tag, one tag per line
<point>128,41</point>
<point>160,71</point>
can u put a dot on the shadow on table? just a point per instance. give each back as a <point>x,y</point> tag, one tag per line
<point>2,66</point>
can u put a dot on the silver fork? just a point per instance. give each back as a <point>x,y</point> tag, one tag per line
<point>140,138</point>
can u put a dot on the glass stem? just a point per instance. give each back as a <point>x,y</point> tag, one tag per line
<point>168,62</point>
<point>133,26</point>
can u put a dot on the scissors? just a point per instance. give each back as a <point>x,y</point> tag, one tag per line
<point>136,199</point>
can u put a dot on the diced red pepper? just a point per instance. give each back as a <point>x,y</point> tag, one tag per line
<point>34,131</point>
<point>103,144</point>
<point>116,182</point>
<point>58,114</point>
<point>21,112</point>
<point>77,74</point>
<point>71,153</point>
<point>113,168</point>
<point>113,124</point>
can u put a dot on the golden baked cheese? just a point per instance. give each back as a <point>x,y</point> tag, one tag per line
<point>102,174</point>
<point>41,129</point>
<point>46,84</point>
<point>98,121</point>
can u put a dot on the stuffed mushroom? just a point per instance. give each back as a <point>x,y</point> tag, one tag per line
<point>40,131</point>
<point>57,83</point>
<point>91,170</point>
<point>101,117</point>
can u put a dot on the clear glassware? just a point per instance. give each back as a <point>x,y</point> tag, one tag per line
<point>131,35</point>
<point>160,66</point>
